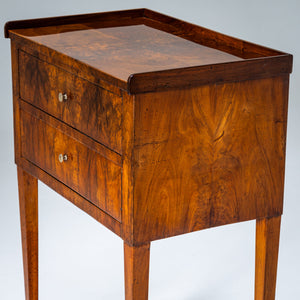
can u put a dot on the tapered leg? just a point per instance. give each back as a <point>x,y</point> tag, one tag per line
<point>267,246</point>
<point>28,198</point>
<point>136,271</point>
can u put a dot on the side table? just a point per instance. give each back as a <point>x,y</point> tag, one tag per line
<point>153,126</point>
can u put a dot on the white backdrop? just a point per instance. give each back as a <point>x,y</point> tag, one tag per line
<point>79,258</point>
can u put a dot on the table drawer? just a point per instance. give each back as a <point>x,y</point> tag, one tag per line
<point>88,172</point>
<point>88,107</point>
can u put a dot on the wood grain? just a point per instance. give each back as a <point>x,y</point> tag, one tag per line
<point>16,93</point>
<point>267,246</point>
<point>127,174</point>
<point>148,17</point>
<point>79,201</point>
<point>236,71</point>
<point>169,128</point>
<point>121,16</point>
<point>206,36</point>
<point>144,45</point>
<point>144,49</point>
<point>87,172</point>
<point>28,197</point>
<point>68,65</point>
<point>208,156</point>
<point>89,108</point>
<point>136,263</point>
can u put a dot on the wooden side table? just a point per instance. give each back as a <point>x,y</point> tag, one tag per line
<point>153,126</point>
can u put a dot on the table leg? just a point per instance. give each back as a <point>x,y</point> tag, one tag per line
<point>28,198</point>
<point>137,259</point>
<point>267,246</point>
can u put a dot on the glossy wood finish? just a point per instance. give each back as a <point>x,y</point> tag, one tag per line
<point>127,174</point>
<point>210,74</point>
<point>28,197</point>
<point>136,263</point>
<point>267,245</point>
<point>106,19</point>
<point>16,92</point>
<point>151,18</point>
<point>89,108</point>
<point>169,128</point>
<point>86,171</point>
<point>79,201</point>
<point>143,49</point>
<point>209,156</point>
<point>173,52</point>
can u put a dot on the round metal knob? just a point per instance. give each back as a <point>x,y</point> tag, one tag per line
<point>62,157</point>
<point>62,97</point>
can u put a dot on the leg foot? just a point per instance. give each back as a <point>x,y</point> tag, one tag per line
<point>267,246</point>
<point>136,271</point>
<point>28,198</point>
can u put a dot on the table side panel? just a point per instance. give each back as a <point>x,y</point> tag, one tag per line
<point>208,156</point>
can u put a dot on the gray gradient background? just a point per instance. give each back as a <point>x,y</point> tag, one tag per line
<point>79,258</point>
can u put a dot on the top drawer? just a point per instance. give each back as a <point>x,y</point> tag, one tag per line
<point>88,107</point>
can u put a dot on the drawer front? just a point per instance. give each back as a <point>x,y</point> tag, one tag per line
<point>86,171</point>
<point>88,107</point>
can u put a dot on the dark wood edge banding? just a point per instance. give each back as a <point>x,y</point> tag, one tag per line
<point>257,68</point>
<point>163,22</point>
<point>207,37</point>
<point>79,201</point>
<point>72,19</point>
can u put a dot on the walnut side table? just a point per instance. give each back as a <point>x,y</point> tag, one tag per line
<point>153,126</point>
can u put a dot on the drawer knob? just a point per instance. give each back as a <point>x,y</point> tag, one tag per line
<point>62,157</point>
<point>62,97</point>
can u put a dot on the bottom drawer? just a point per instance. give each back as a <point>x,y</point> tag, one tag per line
<point>84,170</point>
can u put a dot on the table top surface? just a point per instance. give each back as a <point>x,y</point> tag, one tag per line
<point>125,50</point>
<point>142,51</point>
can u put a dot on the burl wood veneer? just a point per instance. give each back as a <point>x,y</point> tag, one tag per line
<point>153,126</point>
